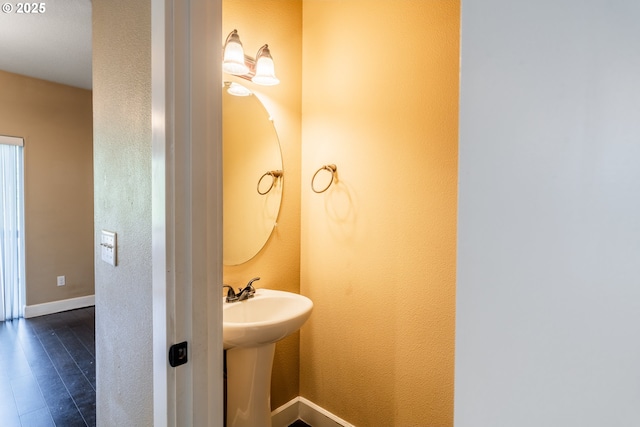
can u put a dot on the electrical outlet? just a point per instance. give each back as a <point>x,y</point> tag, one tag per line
<point>61,281</point>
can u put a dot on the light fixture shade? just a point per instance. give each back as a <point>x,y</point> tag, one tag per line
<point>233,60</point>
<point>237,89</point>
<point>265,70</point>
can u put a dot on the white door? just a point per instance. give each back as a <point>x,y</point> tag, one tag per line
<point>187,201</point>
<point>548,280</point>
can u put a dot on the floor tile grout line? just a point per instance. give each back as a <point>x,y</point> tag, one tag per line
<point>82,343</point>
<point>36,378</point>
<point>13,394</point>
<point>74,360</point>
<point>82,324</point>
<point>82,321</point>
<point>61,380</point>
<point>16,338</point>
<point>35,332</point>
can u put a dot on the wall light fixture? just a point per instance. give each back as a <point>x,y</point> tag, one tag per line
<point>233,61</point>
<point>260,70</point>
<point>236,89</point>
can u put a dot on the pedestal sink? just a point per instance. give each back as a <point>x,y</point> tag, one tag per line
<point>250,330</point>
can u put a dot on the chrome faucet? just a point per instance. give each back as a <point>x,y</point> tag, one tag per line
<point>231,294</point>
<point>243,293</point>
<point>248,291</point>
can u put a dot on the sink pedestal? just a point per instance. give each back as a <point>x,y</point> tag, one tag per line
<point>249,386</point>
<point>250,329</point>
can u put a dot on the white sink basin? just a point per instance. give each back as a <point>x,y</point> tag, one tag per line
<point>266,318</point>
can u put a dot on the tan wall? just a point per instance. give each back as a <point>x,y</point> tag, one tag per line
<point>56,123</point>
<point>380,92</point>
<point>278,23</point>
<point>122,153</point>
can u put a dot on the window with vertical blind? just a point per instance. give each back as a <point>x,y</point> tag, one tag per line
<point>12,272</point>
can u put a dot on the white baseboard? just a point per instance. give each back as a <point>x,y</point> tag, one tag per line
<point>307,411</point>
<point>58,306</point>
<point>286,414</point>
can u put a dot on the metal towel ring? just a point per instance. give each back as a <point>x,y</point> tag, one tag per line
<point>330,168</point>
<point>274,175</point>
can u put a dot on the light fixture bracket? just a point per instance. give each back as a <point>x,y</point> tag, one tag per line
<point>251,63</point>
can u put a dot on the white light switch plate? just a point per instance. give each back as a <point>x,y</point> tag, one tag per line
<point>108,247</point>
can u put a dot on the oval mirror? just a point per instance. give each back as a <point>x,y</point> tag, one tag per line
<point>252,177</point>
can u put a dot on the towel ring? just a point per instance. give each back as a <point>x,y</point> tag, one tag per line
<point>331,168</point>
<point>274,175</point>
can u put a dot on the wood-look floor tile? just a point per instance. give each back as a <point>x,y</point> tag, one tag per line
<point>47,377</point>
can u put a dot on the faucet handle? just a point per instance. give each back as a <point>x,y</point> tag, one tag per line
<point>250,284</point>
<point>231,294</point>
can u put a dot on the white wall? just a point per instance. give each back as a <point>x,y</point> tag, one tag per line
<point>122,203</point>
<point>548,280</point>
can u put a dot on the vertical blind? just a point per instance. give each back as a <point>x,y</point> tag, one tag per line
<point>12,289</point>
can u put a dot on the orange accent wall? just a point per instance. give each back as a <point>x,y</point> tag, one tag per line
<point>371,86</point>
<point>380,100</point>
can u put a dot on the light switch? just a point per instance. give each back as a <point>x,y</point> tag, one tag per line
<point>108,247</point>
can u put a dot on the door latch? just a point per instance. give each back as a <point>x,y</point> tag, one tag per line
<point>178,354</point>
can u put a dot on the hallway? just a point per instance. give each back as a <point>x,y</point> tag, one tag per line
<point>47,370</point>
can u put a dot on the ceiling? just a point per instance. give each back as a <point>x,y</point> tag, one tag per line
<point>54,45</point>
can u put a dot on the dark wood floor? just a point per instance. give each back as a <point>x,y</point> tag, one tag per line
<point>47,370</point>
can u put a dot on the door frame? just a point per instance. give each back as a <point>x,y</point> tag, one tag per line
<point>187,209</point>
